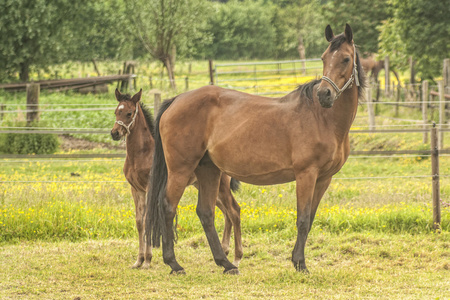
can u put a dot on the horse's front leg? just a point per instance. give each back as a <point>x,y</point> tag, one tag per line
<point>145,250</point>
<point>305,190</point>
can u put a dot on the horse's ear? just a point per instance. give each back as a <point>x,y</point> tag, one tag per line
<point>137,97</point>
<point>329,33</point>
<point>118,94</point>
<point>348,33</point>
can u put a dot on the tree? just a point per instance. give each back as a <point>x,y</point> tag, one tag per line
<point>300,26</point>
<point>241,30</point>
<point>166,27</point>
<point>363,15</point>
<point>31,34</point>
<point>420,29</point>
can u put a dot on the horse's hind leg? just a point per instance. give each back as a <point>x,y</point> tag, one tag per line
<point>145,251</point>
<point>232,212</point>
<point>176,184</point>
<point>208,176</point>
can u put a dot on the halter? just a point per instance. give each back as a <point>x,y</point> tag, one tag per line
<point>127,127</point>
<point>349,81</point>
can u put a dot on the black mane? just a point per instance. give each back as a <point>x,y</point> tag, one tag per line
<point>148,118</point>
<point>306,90</point>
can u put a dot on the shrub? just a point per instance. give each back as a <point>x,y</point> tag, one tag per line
<point>29,143</point>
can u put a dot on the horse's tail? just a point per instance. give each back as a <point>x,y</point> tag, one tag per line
<point>155,217</point>
<point>235,184</point>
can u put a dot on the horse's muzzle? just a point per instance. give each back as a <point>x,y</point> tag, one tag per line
<point>326,97</point>
<point>115,135</point>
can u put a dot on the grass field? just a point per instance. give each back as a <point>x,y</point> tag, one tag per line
<point>64,236</point>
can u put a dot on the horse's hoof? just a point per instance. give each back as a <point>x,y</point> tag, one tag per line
<point>231,271</point>
<point>137,265</point>
<point>146,265</point>
<point>303,270</point>
<point>178,272</point>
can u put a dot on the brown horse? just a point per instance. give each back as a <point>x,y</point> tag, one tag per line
<point>373,66</point>
<point>135,122</point>
<point>302,137</point>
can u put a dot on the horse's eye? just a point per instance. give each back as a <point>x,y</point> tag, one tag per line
<point>128,115</point>
<point>346,60</point>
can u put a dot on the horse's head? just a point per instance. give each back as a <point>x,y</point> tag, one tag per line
<point>339,66</point>
<point>126,113</point>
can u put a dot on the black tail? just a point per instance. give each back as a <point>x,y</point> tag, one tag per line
<point>235,185</point>
<point>155,217</point>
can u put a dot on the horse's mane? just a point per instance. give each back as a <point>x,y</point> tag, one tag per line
<point>306,90</point>
<point>148,118</point>
<point>147,114</point>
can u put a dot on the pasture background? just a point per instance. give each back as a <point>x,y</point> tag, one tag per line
<point>65,236</point>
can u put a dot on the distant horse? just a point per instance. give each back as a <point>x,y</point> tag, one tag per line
<point>135,122</point>
<point>373,66</point>
<point>302,137</point>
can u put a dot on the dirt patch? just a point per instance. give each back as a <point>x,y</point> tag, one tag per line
<point>72,143</point>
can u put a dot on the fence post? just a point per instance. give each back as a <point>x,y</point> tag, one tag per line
<point>441,112</point>
<point>2,111</point>
<point>397,99</point>
<point>424,109</point>
<point>156,103</point>
<point>211,72</point>
<point>435,180</point>
<point>33,90</point>
<point>446,73</point>
<point>186,81</point>
<point>370,109</point>
<point>386,75</point>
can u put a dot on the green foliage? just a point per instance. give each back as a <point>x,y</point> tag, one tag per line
<point>28,143</point>
<point>241,30</point>
<point>299,20</point>
<point>420,29</point>
<point>31,34</point>
<point>363,16</point>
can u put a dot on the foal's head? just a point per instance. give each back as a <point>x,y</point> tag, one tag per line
<point>126,113</point>
<point>339,66</point>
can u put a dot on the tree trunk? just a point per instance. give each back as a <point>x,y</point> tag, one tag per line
<point>301,51</point>
<point>24,74</point>
<point>168,65</point>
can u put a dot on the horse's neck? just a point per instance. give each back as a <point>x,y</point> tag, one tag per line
<point>344,112</point>
<point>139,141</point>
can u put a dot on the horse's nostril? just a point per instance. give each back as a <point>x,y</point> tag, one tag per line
<point>328,92</point>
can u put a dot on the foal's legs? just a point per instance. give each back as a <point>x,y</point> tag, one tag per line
<point>145,251</point>
<point>232,211</point>
<point>305,191</point>
<point>208,176</point>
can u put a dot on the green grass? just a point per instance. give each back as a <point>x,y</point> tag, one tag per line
<point>344,266</point>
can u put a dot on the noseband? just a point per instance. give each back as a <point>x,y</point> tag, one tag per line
<point>349,82</point>
<point>127,127</point>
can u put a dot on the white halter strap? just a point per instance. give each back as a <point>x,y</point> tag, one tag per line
<point>127,127</point>
<point>349,82</point>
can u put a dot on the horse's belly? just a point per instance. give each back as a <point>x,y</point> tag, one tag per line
<point>277,177</point>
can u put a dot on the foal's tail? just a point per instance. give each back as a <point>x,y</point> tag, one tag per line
<point>155,217</point>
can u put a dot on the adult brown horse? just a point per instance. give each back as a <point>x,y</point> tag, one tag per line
<point>135,123</point>
<point>303,136</point>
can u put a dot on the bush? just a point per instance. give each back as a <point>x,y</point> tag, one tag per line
<point>29,143</point>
